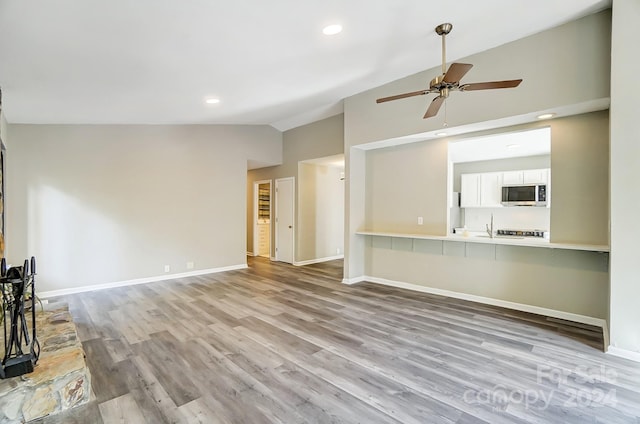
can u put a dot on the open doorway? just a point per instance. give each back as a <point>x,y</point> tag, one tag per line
<point>262,218</point>
<point>320,210</point>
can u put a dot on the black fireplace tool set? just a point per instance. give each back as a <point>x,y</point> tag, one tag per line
<point>21,352</point>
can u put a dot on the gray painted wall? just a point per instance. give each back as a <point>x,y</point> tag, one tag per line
<point>580,45</point>
<point>580,179</point>
<point>103,204</point>
<point>407,181</point>
<point>316,140</point>
<point>563,280</point>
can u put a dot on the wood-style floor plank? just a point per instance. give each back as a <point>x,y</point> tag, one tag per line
<point>282,344</point>
<point>121,410</point>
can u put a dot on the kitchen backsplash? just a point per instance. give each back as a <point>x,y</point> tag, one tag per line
<point>516,218</point>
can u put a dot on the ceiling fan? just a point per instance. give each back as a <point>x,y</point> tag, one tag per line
<point>449,80</point>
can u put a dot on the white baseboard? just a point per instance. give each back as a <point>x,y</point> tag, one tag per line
<point>605,336</point>
<point>624,353</point>
<point>584,319</point>
<point>350,281</point>
<point>73,290</point>
<point>319,260</point>
<point>250,254</point>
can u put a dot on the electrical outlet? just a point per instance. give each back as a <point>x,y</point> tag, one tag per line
<point>338,251</point>
<point>167,268</point>
<point>189,265</point>
<point>420,220</point>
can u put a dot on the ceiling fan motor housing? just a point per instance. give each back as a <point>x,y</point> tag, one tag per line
<point>437,85</point>
<point>444,29</point>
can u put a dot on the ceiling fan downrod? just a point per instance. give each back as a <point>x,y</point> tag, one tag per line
<point>442,30</point>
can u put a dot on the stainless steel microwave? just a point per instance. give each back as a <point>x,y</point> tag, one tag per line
<point>525,195</point>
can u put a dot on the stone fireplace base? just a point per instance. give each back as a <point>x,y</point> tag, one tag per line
<point>61,379</point>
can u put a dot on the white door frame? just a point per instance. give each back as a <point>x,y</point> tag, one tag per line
<point>256,185</point>
<point>293,211</point>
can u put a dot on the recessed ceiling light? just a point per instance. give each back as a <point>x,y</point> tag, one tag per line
<point>332,29</point>
<point>546,115</point>
<point>212,101</point>
<point>512,146</point>
<point>441,134</point>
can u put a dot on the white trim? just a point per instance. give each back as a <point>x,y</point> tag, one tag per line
<point>250,254</point>
<point>605,336</point>
<point>624,353</point>
<point>73,290</point>
<point>569,316</point>
<point>356,280</point>
<point>273,258</point>
<point>319,260</point>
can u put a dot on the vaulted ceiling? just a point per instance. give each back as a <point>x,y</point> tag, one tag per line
<point>268,62</point>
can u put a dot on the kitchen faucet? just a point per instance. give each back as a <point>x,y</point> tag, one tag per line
<point>490,230</point>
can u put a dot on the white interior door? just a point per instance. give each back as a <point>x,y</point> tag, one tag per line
<point>284,219</point>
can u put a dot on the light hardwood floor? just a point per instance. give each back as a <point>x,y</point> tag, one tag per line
<point>283,344</point>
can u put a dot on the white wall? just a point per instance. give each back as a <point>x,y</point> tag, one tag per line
<point>320,212</point>
<point>102,204</point>
<point>508,218</point>
<point>625,174</point>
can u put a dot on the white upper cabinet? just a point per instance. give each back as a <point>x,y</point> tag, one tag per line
<point>481,190</point>
<point>512,177</point>
<point>491,189</point>
<point>528,176</point>
<point>535,176</point>
<point>469,190</point>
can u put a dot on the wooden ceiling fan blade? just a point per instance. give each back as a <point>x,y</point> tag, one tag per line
<point>490,85</point>
<point>434,107</point>
<point>402,96</point>
<point>456,71</point>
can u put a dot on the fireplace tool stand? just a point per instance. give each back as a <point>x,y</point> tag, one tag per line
<point>21,352</point>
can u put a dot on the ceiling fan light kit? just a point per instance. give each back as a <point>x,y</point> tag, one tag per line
<point>449,80</point>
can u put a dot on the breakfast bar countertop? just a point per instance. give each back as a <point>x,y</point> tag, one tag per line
<point>481,237</point>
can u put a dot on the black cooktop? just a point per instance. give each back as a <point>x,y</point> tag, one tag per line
<point>521,233</point>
